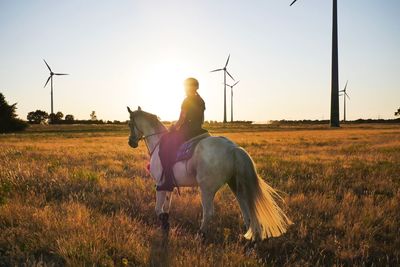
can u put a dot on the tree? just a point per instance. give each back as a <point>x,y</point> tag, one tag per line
<point>56,118</point>
<point>38,116</point>
<point>93,116</point>
<point>8,117</point>
<point>59,115</point>
<point>397,113</point>
<point>69,118</point>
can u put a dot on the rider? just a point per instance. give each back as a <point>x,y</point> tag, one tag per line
<point>192,111</point>
<point>188,126</point>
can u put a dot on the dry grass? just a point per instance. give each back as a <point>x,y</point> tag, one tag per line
<point>71,197</point>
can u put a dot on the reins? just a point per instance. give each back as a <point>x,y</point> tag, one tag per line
<point>154,149</point>
<point>144,137</point>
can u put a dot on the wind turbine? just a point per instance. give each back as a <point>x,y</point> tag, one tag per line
<point>231,86</point>
<point>225,72</point>
<point>335,69</point>
<point>344,99</point>
<point>51,82</point>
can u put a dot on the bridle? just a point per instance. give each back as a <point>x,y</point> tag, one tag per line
<point>144,137</point>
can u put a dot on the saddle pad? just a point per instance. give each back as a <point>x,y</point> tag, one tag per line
<point>186,150</point>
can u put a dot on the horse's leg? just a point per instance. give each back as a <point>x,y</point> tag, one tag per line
<point>165,215</point>
<point>160,199</point>
<point>245,210</point>
<point>167,201</point>
<point>163,203</point>
<point>207,202</point>
<point>242,202</point>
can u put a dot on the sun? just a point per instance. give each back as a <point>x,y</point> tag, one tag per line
<point>163,88</point>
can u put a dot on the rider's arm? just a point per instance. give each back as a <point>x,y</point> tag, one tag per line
<point>181,120</point>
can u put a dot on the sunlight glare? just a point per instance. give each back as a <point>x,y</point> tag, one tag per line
<point>162,85</point>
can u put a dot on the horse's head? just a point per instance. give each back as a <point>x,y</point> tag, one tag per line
<point>136,134</point>
<point>142,125</point>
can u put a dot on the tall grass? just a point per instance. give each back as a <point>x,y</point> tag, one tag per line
<point>82,198</point>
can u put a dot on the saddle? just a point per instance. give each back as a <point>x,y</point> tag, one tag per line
<point>185,151</point>
<point>182,152</point>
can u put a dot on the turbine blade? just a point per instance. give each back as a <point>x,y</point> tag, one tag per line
<point>216,70</point>
<point>48,79</point>
<point>60,74</point>
<point>293,2</point>
<point>346,86</point>
<point>235,83</point>
<point>47,65</point>
<point>227,61</point>
<point>347,96</point>
<point>230,75</point>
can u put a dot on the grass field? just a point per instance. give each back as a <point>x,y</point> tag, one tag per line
<point>80,196</point>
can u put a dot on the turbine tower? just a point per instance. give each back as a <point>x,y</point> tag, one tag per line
<point>335,68</point>
<point>344,100</point>
<point>51,82</point>
<point>231,86</point>
<point>225,72</point>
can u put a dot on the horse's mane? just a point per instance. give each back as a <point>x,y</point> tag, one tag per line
<point>151,118</point>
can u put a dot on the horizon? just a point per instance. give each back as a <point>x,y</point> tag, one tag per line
<point>128,54</point>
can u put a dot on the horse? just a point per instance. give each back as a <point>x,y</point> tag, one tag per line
<point>216,161</point>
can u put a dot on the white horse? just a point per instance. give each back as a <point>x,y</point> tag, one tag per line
<point>215,161</point>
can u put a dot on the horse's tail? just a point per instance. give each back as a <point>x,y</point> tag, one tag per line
<point>266,218</point>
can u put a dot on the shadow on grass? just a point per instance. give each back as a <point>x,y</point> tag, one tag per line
<point>159,250</point>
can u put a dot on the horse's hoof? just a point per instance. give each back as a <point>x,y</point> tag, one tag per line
<point>165,227</point>
<point>164,221</point>
<point>163,217</point>
<point>249,246</point>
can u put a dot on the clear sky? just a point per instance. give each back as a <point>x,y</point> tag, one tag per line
<point>134,53</point>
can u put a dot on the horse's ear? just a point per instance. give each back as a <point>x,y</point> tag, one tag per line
<point>129,110</point>
<point>139,108</point>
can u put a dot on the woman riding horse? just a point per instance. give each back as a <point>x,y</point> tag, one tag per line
<point>187,127</point>
<point>215,161</point>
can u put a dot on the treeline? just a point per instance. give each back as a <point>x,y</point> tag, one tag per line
<point>211,122</point>
<point>229,122</point>
<point>9,121</point>
<point>90,122</point>
<point>358,121</point>
<point>376,121</point>
<point>42,117</point>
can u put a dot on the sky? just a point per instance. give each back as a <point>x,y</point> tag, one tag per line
<point>130,53</point>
